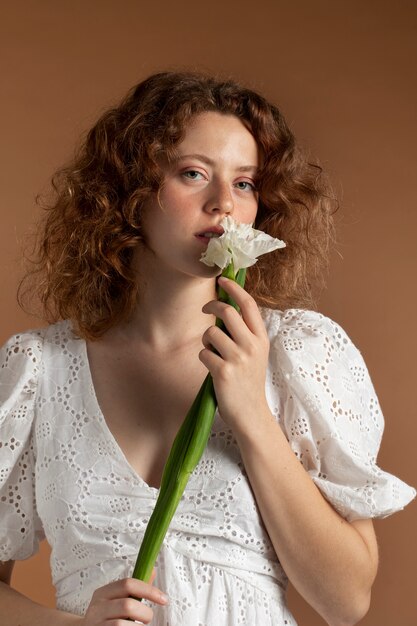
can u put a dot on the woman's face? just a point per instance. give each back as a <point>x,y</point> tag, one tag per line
<point>212,177</point>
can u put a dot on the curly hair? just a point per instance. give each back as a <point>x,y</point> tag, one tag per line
<point>82,263</point>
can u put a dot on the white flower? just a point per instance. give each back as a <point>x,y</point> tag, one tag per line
<point>239,243</point>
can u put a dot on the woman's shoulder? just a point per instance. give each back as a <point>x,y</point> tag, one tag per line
<point>299,323</point>
<point>323,396</point>
<point>23,353</point>
<point>59,333</point>
<point>307,339</point>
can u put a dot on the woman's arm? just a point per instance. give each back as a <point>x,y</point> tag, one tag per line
<point>17,610</point>
<point>110,604</point>
<point>331,562</point>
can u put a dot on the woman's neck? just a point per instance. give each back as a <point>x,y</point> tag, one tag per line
<point>168,314</point>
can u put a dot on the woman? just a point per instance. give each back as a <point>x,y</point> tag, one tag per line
<point>288,483</point>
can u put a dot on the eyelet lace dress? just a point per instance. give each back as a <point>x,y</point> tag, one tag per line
<point>64,477</point>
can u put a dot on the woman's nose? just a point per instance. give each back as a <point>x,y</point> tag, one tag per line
<point>220,200</point>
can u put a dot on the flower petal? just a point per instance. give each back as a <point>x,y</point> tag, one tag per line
<point>239,242</point>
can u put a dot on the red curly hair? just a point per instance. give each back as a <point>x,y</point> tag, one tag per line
<point>83,258</point>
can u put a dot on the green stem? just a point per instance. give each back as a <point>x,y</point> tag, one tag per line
<point>187,450</point>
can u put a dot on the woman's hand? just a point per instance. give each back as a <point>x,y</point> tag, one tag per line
<point>239,370</point>
<point>113,604</point>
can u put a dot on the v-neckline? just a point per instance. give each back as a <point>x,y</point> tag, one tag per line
<point>105,427</point>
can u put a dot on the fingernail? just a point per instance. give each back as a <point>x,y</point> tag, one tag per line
<point>164,598</point>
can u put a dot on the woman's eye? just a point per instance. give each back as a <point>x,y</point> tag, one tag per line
<point>192,174</point>
<point>245,185</point>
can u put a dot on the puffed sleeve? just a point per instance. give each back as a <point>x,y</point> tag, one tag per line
<point>329,411</point>
<point>20,526</point>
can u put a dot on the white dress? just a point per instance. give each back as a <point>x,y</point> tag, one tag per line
<point>63,476</point>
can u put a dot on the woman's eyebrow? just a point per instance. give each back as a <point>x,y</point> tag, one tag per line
<point>206,159</point>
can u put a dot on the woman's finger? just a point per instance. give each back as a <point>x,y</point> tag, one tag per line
<point>129,587</point>
<point>232,320</point>
<point>248,307</point>
<point>215,338</point>
<point>132,610</point>
<point>213,362</point>
<point>127,609</point>
<point>120,601</point>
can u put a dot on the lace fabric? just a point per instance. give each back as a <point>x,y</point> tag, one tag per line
<point>64,477</point>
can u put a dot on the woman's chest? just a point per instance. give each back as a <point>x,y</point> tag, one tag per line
<point>87,486</point>
<point>86,479</point>
<point>143,401</point>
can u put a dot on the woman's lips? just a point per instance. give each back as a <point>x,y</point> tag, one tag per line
<point>203,239</point>
<point>209,234</point>
<point>205,235</point>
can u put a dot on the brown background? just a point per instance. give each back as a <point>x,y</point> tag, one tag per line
<point>344,75</point>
